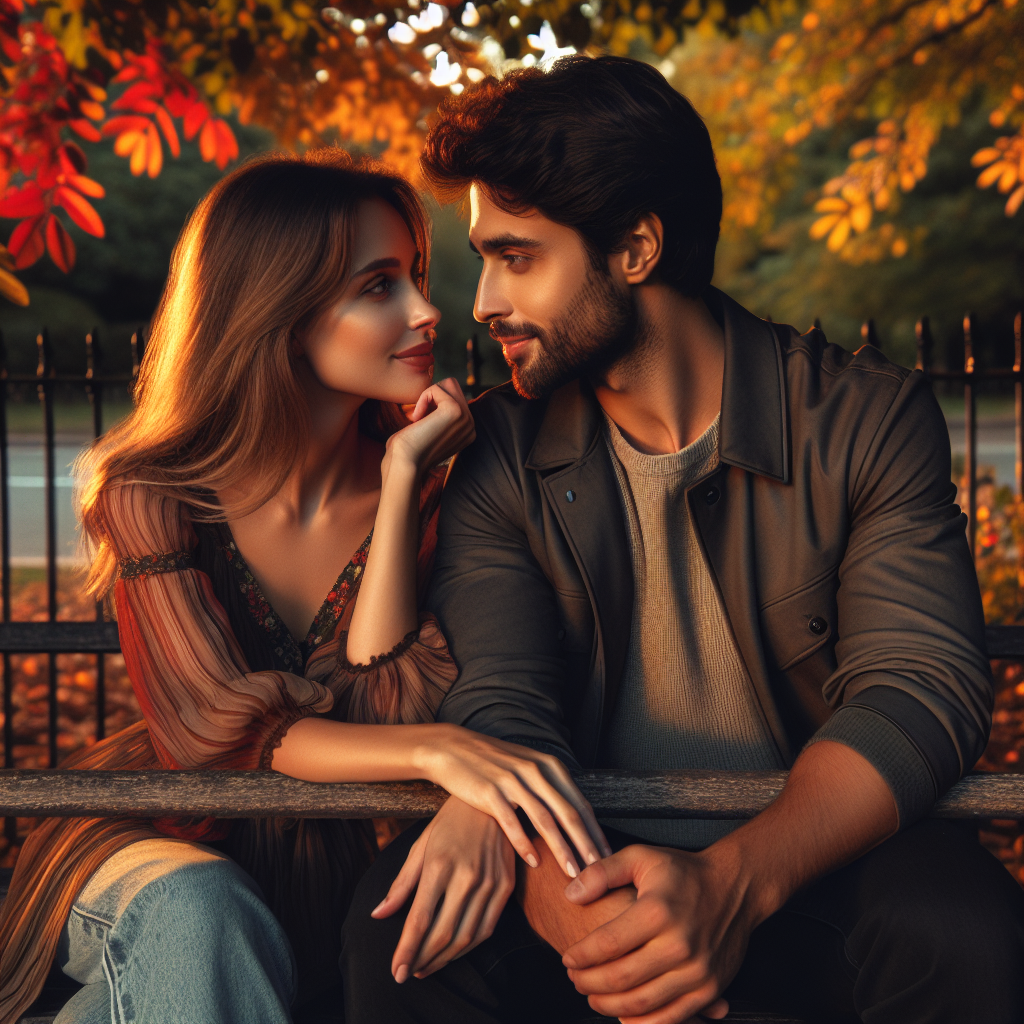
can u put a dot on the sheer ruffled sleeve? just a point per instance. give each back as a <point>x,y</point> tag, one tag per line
<point>203,706</point>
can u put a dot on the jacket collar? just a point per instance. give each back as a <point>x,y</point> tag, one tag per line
<point>754,429</point>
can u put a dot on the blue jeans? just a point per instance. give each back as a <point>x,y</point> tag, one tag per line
<point>170,932</point>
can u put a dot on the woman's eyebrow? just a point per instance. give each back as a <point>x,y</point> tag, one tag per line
<point>385,263</point>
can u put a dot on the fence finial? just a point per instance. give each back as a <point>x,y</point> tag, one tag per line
<point>44,365</point>
<point>923,330</point>
<point>869,335</point>
<point>473,361</point>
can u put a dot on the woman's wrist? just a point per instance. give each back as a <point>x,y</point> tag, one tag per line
<point>429,752</point>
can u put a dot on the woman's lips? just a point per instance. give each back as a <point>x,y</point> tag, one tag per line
<point>419,357</point>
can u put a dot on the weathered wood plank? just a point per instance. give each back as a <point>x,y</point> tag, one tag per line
<point>70,637</point>
<point>616,794</point>
<point>1005,642</point>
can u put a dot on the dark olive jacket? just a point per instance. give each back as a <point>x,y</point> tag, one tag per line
<point>829,528</point>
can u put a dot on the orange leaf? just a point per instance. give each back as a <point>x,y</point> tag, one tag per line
<point>20,235</point>
<point>86,186</point>
<point>86,129</point>
<point>81,211</point>
<point>59,244</point>
<point>125,123</point>
<point>155,157</point>
<point>138,97</point>
<point>23,202</point>
<point>195,117</point>
<point>208,142</point>
<point>170,133</point>
<point>92,110</point>
<point>31,248</point>
<point>126,142</point>
<point>140,155</point>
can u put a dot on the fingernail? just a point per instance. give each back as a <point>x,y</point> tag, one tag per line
<point>532,861</point>
<point>402,973</point>
<point>567,961</point>
<point>570,869</point>
<point>379,906</point>
<point>574,889</point>
<point>592,858</point>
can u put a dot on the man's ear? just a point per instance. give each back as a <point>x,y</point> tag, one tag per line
<point>643,249</point>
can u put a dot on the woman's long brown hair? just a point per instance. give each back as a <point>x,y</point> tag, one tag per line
<point>263,256</point>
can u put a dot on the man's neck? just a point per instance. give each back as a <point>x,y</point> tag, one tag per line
<point>668,391</point>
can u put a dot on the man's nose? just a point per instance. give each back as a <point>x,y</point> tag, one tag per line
<point>491,300</point>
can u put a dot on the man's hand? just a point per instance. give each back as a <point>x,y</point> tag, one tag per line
<point>464,859</point>
<point>670,954</point>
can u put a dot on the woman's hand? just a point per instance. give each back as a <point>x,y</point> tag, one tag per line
<point>498,778</point>
<point>440,426</point>
<point>464,859</point>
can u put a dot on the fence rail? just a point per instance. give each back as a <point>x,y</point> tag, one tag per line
<point>649,795</point>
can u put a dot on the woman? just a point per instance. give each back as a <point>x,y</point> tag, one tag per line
<point>266,450</point>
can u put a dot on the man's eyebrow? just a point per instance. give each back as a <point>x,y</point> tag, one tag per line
<point>508,239</point>
<point>385,263</point>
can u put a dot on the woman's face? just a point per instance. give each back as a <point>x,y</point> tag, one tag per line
<point>377,340</point>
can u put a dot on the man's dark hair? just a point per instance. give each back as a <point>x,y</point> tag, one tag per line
<point>595,144</point>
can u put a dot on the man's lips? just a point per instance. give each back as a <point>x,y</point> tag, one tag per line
<point>514,345</point>
<point>419,357</point>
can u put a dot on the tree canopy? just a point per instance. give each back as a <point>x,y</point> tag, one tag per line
<point>766,75</point>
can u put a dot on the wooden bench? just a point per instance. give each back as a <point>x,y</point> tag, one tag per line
<point>616,794</point>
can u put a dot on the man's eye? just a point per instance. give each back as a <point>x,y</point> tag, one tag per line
<point>513,259</point>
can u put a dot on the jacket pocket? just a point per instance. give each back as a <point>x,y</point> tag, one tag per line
<point>803,622</point>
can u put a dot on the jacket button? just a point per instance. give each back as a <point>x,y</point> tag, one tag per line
<point>711,495</point>
<point>818,625</point>
<point>570,495</point>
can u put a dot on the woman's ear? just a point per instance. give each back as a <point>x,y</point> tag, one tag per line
<point>295,347</point>
<point>642,250</point>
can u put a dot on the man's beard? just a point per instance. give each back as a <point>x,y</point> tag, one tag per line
<point>600,327</point>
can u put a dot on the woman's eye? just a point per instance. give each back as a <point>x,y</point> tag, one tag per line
<point>379,287</point>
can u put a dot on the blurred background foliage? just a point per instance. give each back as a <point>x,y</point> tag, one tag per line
<point>849,134</point>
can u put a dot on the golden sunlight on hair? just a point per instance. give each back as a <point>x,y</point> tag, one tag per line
<point>262,257</point>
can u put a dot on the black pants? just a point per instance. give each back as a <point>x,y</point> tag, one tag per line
<point>926,927</point>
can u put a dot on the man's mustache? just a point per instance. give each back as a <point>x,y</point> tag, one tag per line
<point>500,329</point>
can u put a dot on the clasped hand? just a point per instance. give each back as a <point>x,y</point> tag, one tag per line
<point>670,954</point>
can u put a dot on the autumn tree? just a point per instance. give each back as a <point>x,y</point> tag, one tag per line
<point>767,75</point>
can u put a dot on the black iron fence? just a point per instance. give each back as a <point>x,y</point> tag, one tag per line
<point>97,638</point>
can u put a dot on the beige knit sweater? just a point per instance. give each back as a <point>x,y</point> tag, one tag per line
<point>685,700</point>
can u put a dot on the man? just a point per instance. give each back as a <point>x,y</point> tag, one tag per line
<point>686,537</point>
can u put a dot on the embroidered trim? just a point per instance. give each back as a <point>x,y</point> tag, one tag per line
<point>378,659</point>
<point>293,654</point>
<point>153,565</point>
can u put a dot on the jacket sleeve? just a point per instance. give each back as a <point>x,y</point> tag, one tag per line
<point>913,684</point>
<point>497,608</point>
<point>203,706</point>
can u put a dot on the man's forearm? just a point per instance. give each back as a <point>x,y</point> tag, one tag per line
<point>834,808</point>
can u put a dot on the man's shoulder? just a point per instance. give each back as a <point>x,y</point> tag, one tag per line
<point>812,352</point>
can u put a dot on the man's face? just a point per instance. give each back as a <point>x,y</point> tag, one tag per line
<point>555,316</point>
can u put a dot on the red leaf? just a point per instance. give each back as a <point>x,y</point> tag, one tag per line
<point>23,202</point>
<point>155,153</point>
<point>195,117</point>
<point>170,134</point>
<point>80,210</point>
<point>227,145</point>
<point>86,129</point>
<point>208,142</point>
<point>86,186</point>
<point>72,159</point>
<point>59,244</point>
<point>126,123</point>
<point>31,247</point>
<point>20,235</point>
<point>129,73</point>
<point>178,102</point>
<point>137,97</point>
